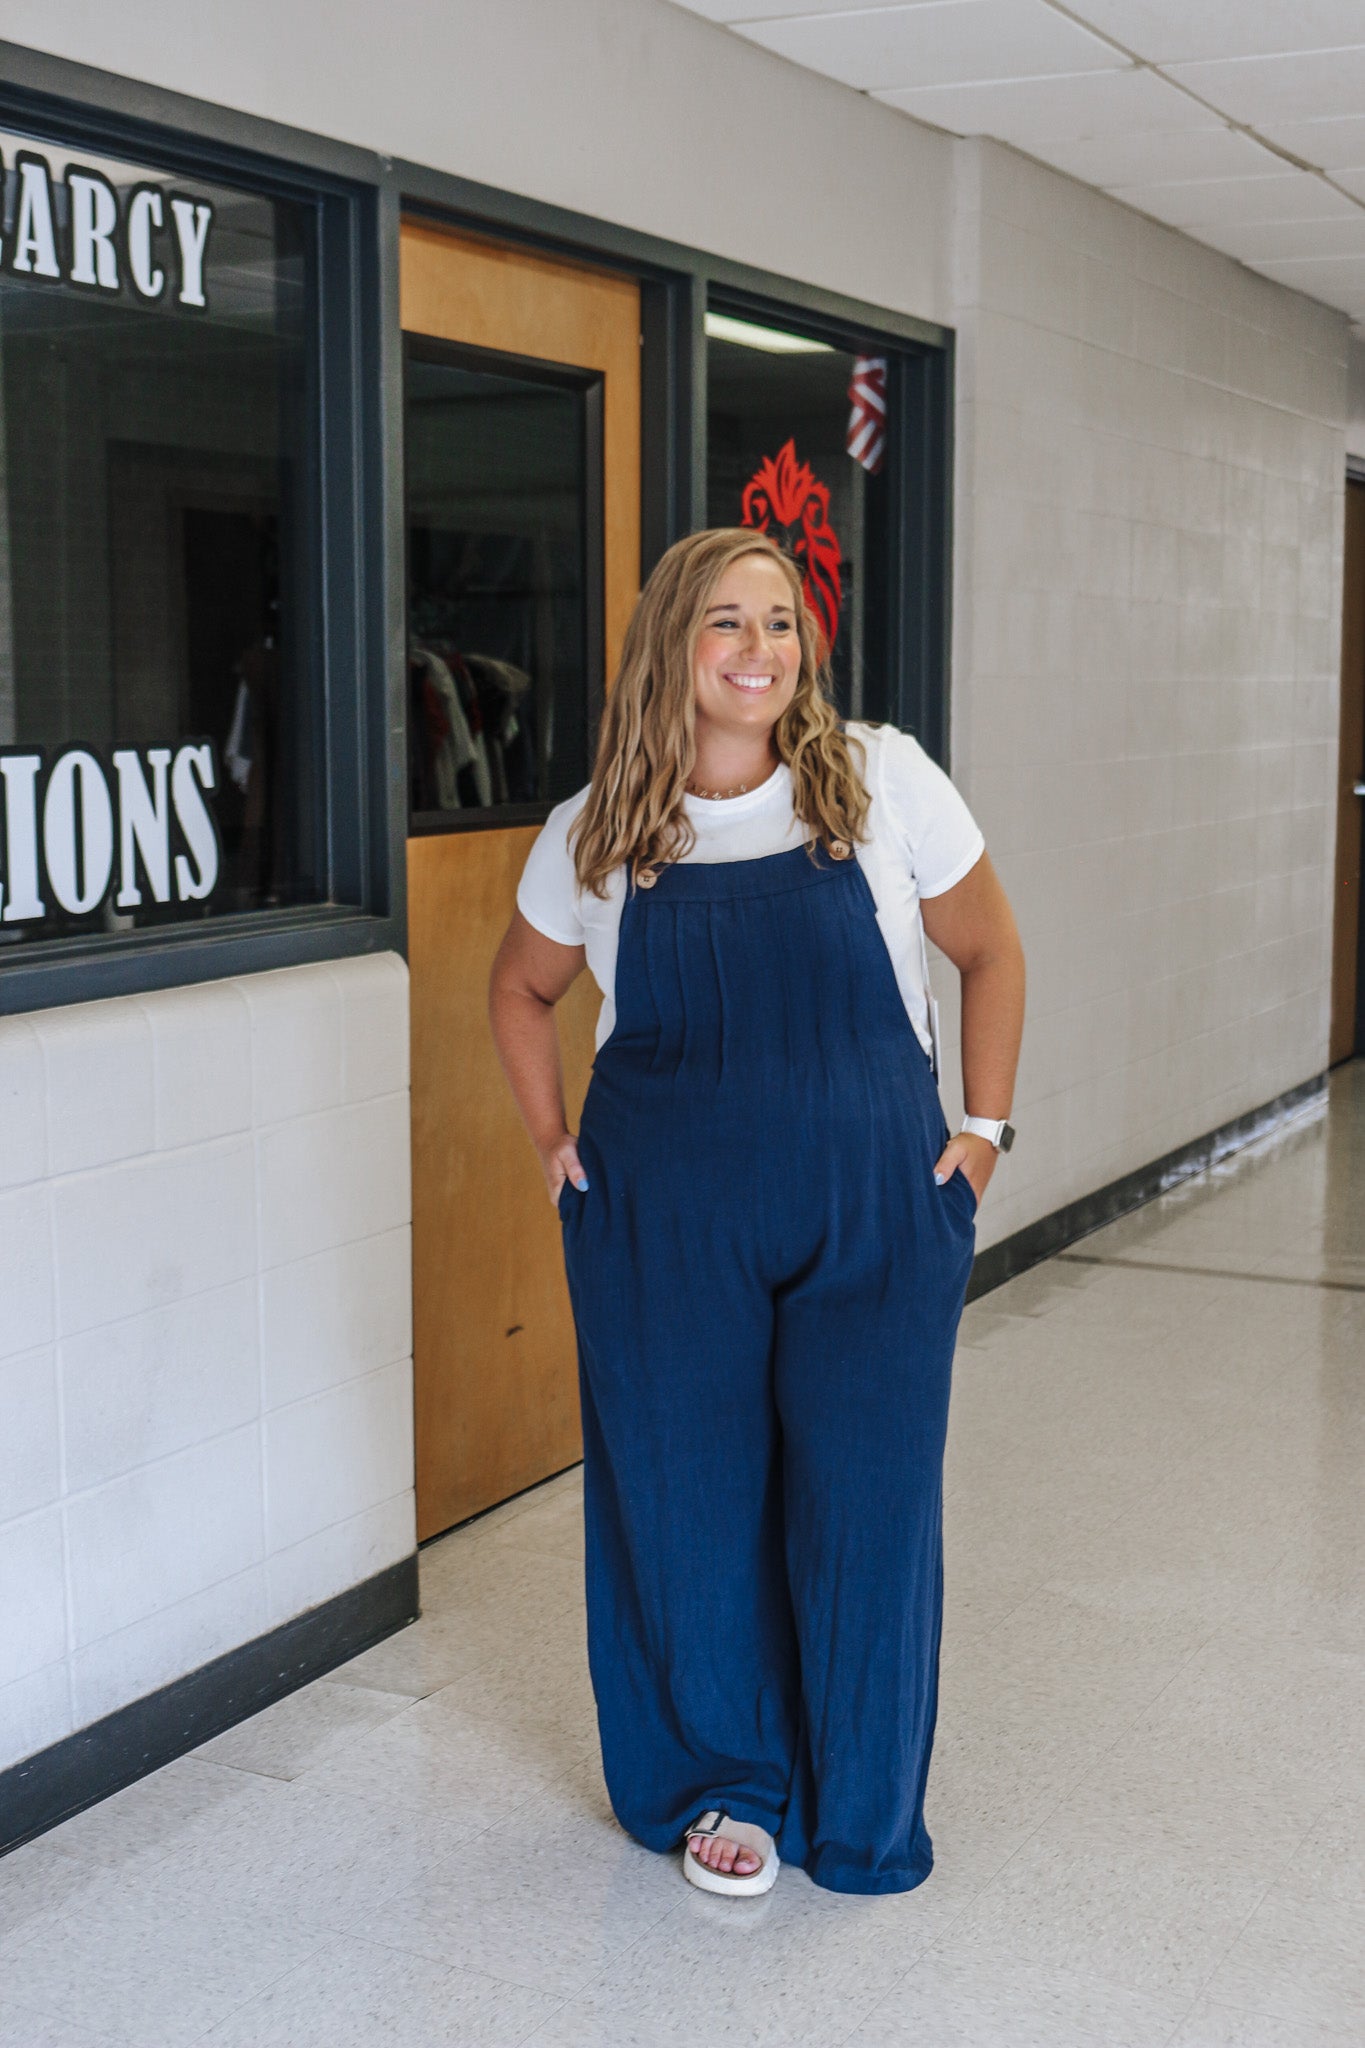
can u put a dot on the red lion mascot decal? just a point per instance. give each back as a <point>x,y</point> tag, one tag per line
<point>785,498</point>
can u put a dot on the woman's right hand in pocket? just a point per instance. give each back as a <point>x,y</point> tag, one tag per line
<point>560,1162</point>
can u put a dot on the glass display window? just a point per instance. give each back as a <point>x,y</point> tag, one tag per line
<point>159,527</point>
<point>797,446</point>
<point>503,468</point>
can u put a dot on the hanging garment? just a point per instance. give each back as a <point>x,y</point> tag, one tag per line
<point>480,775</point>
<point>450,743</point>
<point>237,745</point>
<point>504,699</point>
<point>256,840</point>
<point>766,1284</point>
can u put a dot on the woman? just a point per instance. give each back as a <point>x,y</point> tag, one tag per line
<point>767,1228</point>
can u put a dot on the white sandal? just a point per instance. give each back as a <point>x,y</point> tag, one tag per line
<point>749,1836</point>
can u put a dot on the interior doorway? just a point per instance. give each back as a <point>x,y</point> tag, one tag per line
<point>522,428</point>
<point>1347,1037</point>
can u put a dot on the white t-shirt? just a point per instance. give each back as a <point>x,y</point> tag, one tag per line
<point>921,840</point>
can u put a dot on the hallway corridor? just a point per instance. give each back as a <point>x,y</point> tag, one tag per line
<point>1148,1795</point>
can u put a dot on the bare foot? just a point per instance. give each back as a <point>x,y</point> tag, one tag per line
<point>717,1853</point>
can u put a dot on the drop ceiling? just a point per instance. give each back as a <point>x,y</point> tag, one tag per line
<point>1241,122</point>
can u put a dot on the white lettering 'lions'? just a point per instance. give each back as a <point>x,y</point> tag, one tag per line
<point>67,825</point>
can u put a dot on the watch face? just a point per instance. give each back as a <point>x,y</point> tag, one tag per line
<point>1006,1137</point>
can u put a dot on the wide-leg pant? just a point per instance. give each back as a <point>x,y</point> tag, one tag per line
<point>766,1284</point>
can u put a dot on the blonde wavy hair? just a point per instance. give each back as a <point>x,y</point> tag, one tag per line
<point>647,749</point>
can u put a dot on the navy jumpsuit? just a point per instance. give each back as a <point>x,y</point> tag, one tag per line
<point>766,1283</point>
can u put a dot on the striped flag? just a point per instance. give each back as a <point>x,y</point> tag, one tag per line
<point>867,420</point>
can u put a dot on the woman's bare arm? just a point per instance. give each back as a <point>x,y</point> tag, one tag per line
<point>973,924</point>
<point>530,975</point>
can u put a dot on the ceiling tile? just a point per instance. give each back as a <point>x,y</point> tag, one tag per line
<point>938,42</point>
<point>1030,72</point>
<point>1298,195</point>
<point>1337,145</point>
<point>1174,31</point>
<point>1044,110</point>
<point>732,12</point>
<point>1127,156</point>
<point>1279,241</point>
<point>1259,90</point>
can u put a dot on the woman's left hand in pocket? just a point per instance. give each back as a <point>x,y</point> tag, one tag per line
<point>974,1158</point>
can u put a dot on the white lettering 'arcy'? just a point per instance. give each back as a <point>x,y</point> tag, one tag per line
<point>94,223</point>
<point>34,251</point>
<point>145,213</point>
<point>104,229</point>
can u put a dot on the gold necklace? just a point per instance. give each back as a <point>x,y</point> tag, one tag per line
<point>736,789</point>
<point>717,795</point>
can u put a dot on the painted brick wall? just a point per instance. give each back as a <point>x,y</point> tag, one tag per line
<point>205,1327</point>
<point>1150,447</point>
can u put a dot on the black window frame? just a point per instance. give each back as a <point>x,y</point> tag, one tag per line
<point>918,486</point>
<point>360,913</point>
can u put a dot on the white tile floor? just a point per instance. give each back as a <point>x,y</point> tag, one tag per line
<point>1148,1796</point>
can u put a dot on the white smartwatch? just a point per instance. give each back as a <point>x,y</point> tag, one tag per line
<point>1000,1134</point>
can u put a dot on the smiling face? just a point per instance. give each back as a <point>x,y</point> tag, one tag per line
<point>748,653</point>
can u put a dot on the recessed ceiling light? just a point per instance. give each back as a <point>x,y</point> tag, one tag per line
<point>746,334</point>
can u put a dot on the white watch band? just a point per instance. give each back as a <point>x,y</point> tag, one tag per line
<point>984,1127</point>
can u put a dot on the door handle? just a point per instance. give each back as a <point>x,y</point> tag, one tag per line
<point>1359,789</point>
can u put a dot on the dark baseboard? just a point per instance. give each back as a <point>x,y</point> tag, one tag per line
<point>1038,1241</point>
<point>141,1737</point>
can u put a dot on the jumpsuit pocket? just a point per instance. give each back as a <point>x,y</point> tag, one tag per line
<point>566,1187</point>
<point>966,1193</point>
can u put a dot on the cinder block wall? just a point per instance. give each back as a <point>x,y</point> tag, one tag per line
<point>1151,447</point>
<point>206,1337</point>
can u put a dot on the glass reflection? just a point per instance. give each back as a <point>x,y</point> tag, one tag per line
<point>796,445</point>
<point>496,530</point>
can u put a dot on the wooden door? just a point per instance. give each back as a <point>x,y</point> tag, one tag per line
<point>1348,1009</point>
<point>495,1363</point>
